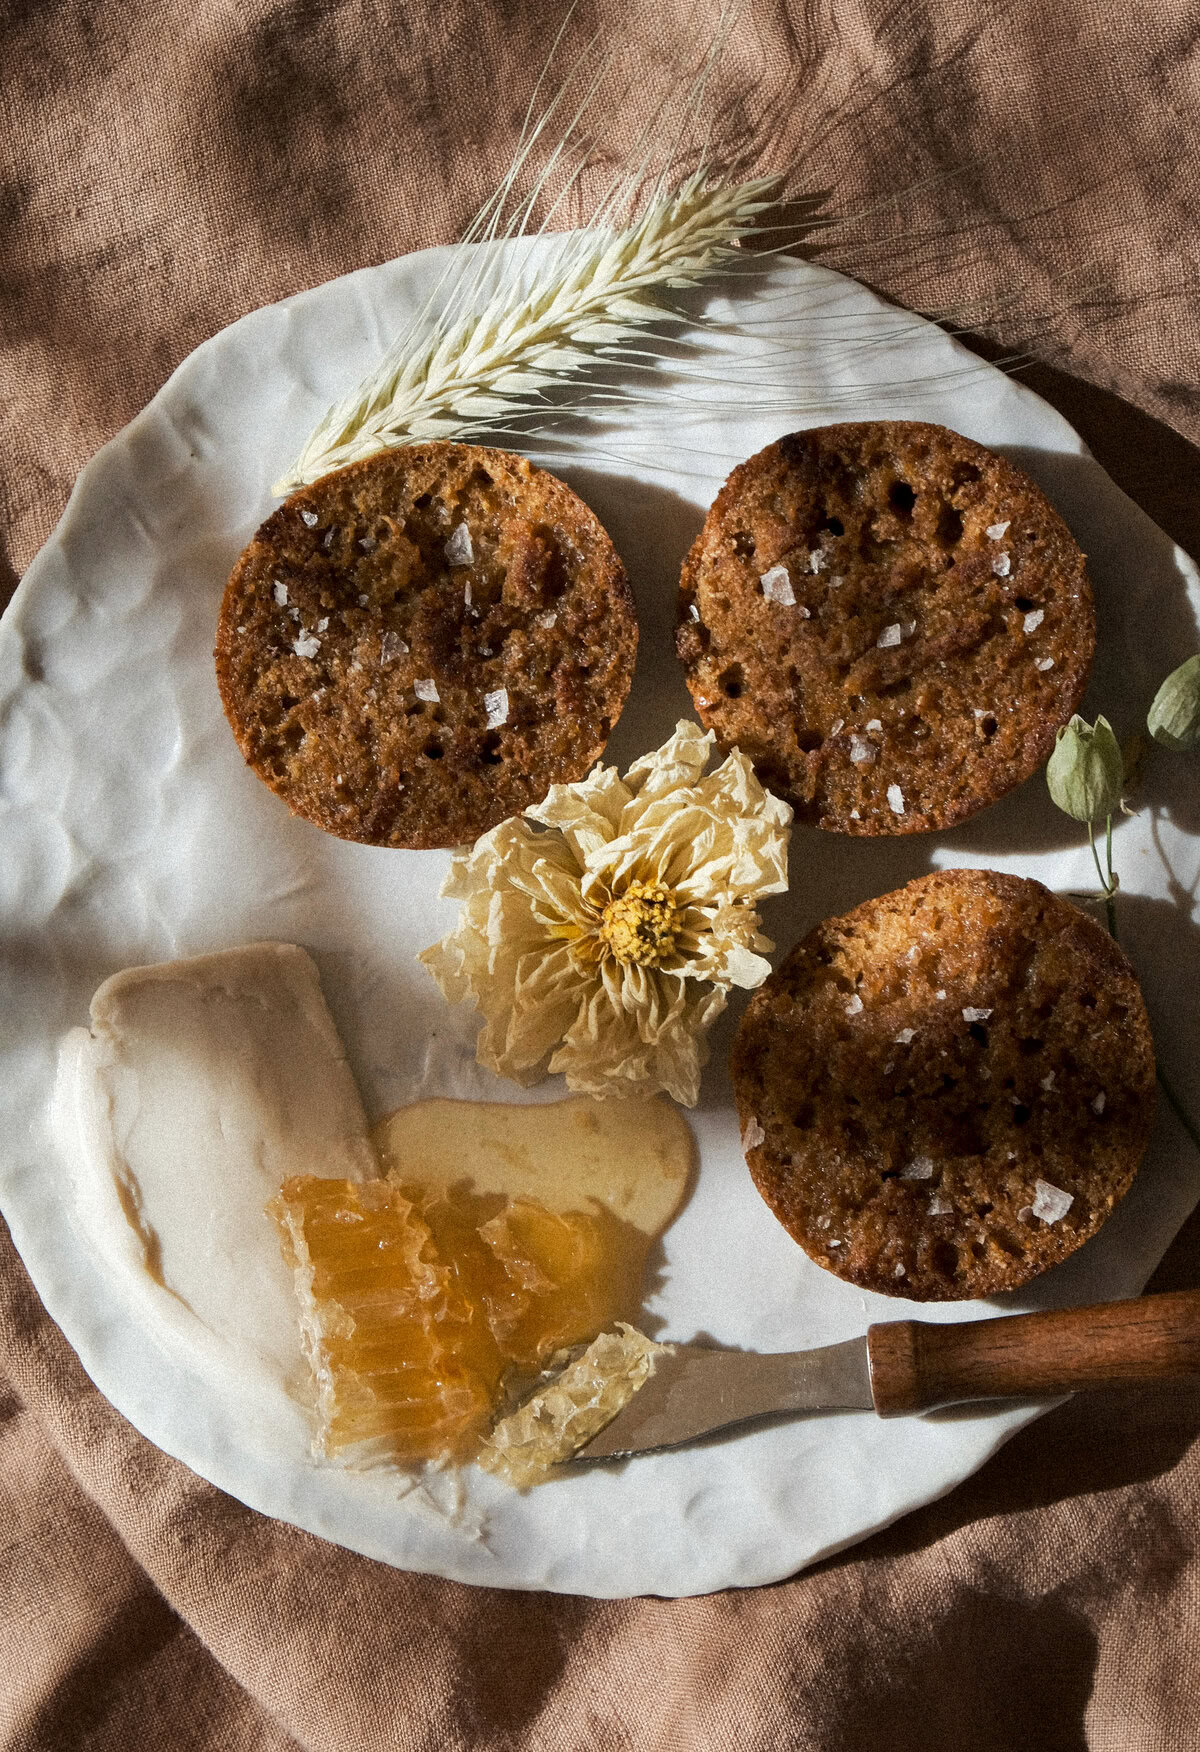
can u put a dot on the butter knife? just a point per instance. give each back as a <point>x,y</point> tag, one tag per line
<point>907,1366</point>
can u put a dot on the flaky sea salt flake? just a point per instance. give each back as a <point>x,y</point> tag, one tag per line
<point>309,519</point>
<point>1099,1103</point>
<point>895,797</point>
<point>279,592</point>
<point>1050,1202</point>
<point>838,725</point>
<point>854,1004</point>
<point>875,724</point>
<point>862,752</point>
<point>1034,619</point>
<point>920,1168</point>
<point>391,646</point>
<point>428,691</point>
<point>890,636</point>
<point>971,1014</point>
<point>306,645</point>
<point>1002,565</point>
<point>997,531</point>
<point>460,550</point>
<point>905,1037</point>
<point>939,1206</point>
<point>496,707</point>
<point>1044,663</point>
<point>550,617</point>
<point>754,1135</point>
<point>777,587</point>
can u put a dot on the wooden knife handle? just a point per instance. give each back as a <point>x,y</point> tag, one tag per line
<point>916,1366</point>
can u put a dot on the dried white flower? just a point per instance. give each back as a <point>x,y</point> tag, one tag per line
<point>777,587</point>
<point>459,550</point>
<point>895,797</point>
<point>427,690</point>
<point>1033,619</point>
<point>496,707</point>
<point>970,1014</point>
<point>1002,565</point>
<point>601,932</point>
<point>997,531</point>
<point>1050,1202</point>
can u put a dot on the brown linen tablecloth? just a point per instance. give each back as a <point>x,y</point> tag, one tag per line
<point>1028,169</point>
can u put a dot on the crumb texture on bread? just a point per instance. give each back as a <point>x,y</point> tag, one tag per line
<point>889,619</point>
<point>924,1081</point>
<point>420,645</point>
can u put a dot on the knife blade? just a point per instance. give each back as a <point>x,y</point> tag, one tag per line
<point>904,1366</point>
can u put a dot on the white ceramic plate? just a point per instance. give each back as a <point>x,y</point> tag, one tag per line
<point>133,833</point>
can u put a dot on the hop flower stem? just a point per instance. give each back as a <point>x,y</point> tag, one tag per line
<point>1109,888</point>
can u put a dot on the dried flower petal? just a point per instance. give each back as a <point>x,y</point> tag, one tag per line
<point>600,933</point>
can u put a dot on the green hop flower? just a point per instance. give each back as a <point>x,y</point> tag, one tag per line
<point>1085,772</point>
<point>1174,718</point>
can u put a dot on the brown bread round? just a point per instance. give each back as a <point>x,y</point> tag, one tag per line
<point>398,683</point>
<point>914,1069</point>
<point>942,627</point>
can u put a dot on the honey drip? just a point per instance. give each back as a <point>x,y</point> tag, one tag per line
<point>426,1293</point>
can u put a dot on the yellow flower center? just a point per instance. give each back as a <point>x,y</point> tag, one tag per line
<point>640,925</point>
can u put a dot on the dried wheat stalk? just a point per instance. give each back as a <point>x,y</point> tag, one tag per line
<point>474,366</point>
